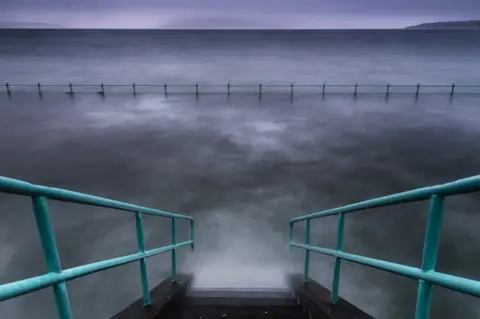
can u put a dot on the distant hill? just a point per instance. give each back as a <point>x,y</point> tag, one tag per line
<point>28,25</point>
<point>449,25</point>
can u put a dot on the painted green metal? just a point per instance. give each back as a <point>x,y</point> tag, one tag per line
<point>56,277</point>
<point>192,233</point>
<point>307,252</point>
<point>426,275</point>
<point>338,261</point>
<point>429,258</point>
<point>143,261</point>
<point>47,238</point>
<point>174,251</point>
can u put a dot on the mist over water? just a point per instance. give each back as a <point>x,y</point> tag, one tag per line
<point>243,167</point>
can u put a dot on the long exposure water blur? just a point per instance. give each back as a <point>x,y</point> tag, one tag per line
<point>243,166</point>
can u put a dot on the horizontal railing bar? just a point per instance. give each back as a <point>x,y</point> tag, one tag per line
<point>22,287</point>
<point>14,186</point>
<point>466,185</point>
<point>460,284</point>
<point>232,84</point>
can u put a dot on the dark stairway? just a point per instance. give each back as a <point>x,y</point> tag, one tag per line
<point>177,300</point>
<point>213,304</point>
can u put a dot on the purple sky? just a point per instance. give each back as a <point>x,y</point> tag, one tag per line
<point>288,14</point>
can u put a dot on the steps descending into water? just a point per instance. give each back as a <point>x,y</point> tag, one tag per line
<point>300,301</point>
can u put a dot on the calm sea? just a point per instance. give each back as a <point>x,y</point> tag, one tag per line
<point>242,165</point>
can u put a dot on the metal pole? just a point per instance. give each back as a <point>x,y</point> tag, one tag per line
<point>39,88</point>
<point>323,89</point>
<point>260,88</point>
<point>336,267</point>
<point>71,87</point>
<point>291,89</point>
<point>165,87</point>
<point>103,90</point>
<point>228,88</point>
<point>388,88</point>
<point>418,89</point>
<point>196,88</point>
<point>356,85</point>
<point>134,90</point>
<point>307,251</point>
<point>174,251</point>
<point>143,263</point>
<point>192,233</point>
<point>453,89</point>
<point>50,253</point>
<point>291,235</point>
<point>429,257</point>
<point>8,88</point>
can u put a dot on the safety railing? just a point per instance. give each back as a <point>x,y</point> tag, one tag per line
<point>426,275</point>
<point>258,88</point>
<point>56,277</point>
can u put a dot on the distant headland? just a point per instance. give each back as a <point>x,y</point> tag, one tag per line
<point>449,25</point>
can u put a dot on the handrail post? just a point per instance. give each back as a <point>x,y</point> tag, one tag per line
<point>71,87</point>
<point>49,247</point>
<point>356,86</point>
<point>196,88</point>
<point>429,256</point>
<point>134,90</point>
<point>291,235</point>
<point>260,88</point>
<point>388,89</point>
<point>143,262</point>
<point>291,89</point>
<point>8,88</point>
<point>103,89</point>
<point>453,89</point>
<point>336,268</point>
<point>228,88</point>
<point>323,88</point>
<point>307,251</point>
<point>165,88</point>
<point>174,251</point>
<point>192,233</point>
<point>418,89</point>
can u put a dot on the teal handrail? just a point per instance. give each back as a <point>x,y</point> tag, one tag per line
<point>56,277</point>
<point>426,274</point>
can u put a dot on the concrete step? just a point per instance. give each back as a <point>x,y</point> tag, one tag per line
<point>233,312</point>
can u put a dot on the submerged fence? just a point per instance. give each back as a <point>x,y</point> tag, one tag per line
<point>235,88</point>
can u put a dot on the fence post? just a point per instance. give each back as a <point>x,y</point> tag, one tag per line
<point>453,89</point>
<point>307,250</point>
<point>39,88</point>
<point>336,267</point>
<point>196,88</point>
<point>192,233</point>
<point>228,88</point>
<point>165,87</point>
<point>355,92</point>
<point>71,87</point>
<point>49,247</point>
<point>418,89</point>
<point>8,88</point>
<point>134,90</point>
<point>174,251</point>
<point>388,89</point>
<point>323,89</point>
<point>260,88</point>
<point>143,263</point>
<point>429,256</point>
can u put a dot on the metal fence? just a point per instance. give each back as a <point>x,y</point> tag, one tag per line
<point>56,277</point>
<point>256,88</point>
<point>426,275</point>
